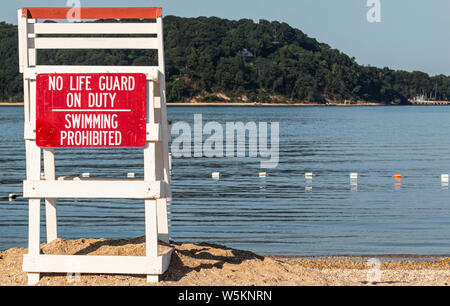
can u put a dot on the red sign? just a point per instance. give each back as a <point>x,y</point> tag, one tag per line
<point>91,110</point>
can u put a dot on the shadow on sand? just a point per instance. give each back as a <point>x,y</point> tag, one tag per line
<point>186,257</point>
<point>201,257</point>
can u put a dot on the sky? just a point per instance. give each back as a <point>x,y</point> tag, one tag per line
<point>412,34</point>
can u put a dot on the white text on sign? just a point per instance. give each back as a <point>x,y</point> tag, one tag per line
<point>82,125</point>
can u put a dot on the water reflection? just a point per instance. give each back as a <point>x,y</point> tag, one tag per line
<point>398,184</point>
<point>353,185</point>
<point>308,184</point>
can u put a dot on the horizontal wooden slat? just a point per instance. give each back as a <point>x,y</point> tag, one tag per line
<point>93,28</point>
<point>153,73</point>
<point>95,43</point>
<point>94,12</point>
<point>97,264</point>
<point>97,188</point>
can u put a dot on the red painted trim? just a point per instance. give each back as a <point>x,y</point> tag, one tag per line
<point>94,12</point>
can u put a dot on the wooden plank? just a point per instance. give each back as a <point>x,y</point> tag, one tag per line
<point>95,28</point>
<point>23,42</point>
<point>159,146</point>
<point>95,43</point>
<point>33,158</point>
<point>151,228</point>
<point>153,132</point>
<point>151,219</point>
<point>107,189</point>
<point>163,225</point>
<point>93,264</point>
<point>160,35</point>
<point>28,130</point>
<point>50,203</point>
<point>49,164</point>
<point>32,53</point>
<point>94,12</point>
<point>149,151</point>
<point>162,94</point>
<point>152,72</point>
<point>29,133</point>
<point>151,236</point>
<point>34,226</point>
<point>32,98</point>
<point>150,162</point>
<point>34,212</point>
<point>166,258</point>
<point>151,103</point>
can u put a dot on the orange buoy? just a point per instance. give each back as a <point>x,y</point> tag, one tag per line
<point>398,176</point>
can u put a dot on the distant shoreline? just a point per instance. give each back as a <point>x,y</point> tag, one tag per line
<point>11,103</point>
<point>243,104</point>
<point>238,104</point>
<point>269,104</point>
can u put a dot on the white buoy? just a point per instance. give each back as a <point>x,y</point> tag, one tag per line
<point>12,196</point>
<point>131,175</point>
<point>353,176</point>
<point>444,178</point>
<point>262,174</point>
<point>87,174</point>
<point>308,175</point>
<point>215,175</point>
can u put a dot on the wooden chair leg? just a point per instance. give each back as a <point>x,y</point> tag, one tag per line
<point>50,204</point>
<point>163,224</point>
<point>34,214</point>
<point>151,234</point>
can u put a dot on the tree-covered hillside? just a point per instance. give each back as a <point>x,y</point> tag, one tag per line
<point>213,59</point>
<point>11,84</point>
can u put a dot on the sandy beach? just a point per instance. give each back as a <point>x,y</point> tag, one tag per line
<point>215,265</point>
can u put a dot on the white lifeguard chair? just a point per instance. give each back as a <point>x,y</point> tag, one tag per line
<point>154,188</point>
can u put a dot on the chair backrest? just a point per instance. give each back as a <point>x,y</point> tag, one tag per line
<point>68,35</point>
<point>34,35</point>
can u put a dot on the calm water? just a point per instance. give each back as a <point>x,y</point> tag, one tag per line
<point>282,214</point>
